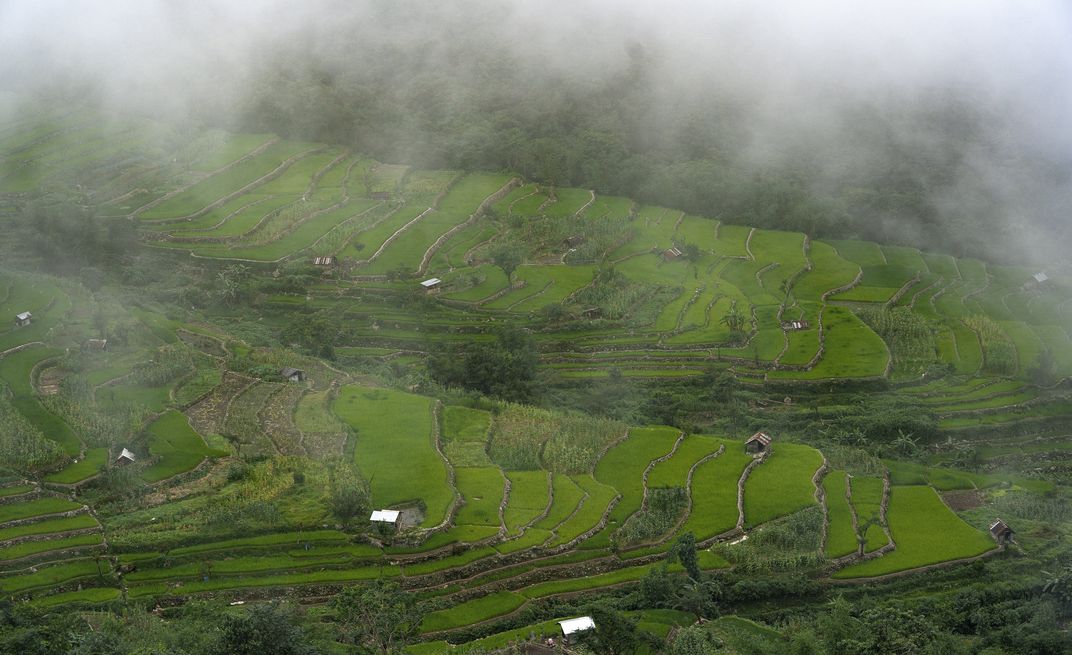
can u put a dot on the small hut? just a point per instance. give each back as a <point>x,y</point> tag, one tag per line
<point>97,344</point>
<point>431,285</point>
<point>292,374</point>
<point>757,443</point>
<point>1001,532</point>
<point>573,241</point>
<point>326,262</point>
<point>125,457</point>
<point>572,627</point>
<point>670,254</point>
<point>23,319</point>
<point>385,516</point>
<point>1036,281</point>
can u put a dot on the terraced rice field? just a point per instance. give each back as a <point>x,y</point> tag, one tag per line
<point>395,449</point>
<point>926,532</point>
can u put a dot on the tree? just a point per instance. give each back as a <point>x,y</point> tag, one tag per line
<point>657,588</point>
<point>232,284</point>
<point>349,495</point>
<point>734,320</point>
<point>1044,372</point>
<point>690,251</point>
<point>684,551</point>
<point>505,368</point>
<point>508,257</point>
<point>615,633</point>
<point>695,640</point>
<point>379,617</point>
<point>264,630</point>
<point>699,599</point>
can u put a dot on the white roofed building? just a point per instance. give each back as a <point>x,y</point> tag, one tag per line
<point>571,627</point>
<point>385,516</point>
<point>125,457</point>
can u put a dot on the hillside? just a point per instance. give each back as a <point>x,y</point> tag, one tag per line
<point>238,255</point>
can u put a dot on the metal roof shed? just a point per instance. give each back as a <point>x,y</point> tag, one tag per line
<point>579,624</point>
<point>384,516</point>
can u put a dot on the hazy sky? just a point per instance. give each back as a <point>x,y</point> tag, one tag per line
<point>1011,51</point>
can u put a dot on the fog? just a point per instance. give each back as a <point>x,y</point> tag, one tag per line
<point>972,98</point>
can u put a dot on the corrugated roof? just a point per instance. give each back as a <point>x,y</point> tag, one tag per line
<point>579,624</point>
<point>23,316</point>
<point>126,454</point>
<point>761,437</point>
<point>384,515</point>
<point>430,282</point>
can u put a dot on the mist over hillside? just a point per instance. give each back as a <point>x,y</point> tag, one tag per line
<point>938,126</point>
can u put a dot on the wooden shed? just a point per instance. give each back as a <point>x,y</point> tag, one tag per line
<point>757,443</point>
<point>125,457</point>
<point>1001,532</point>
<point>292,374</point>
<point>671,254</point>
<point>431,285</point>
<point>23,319</point>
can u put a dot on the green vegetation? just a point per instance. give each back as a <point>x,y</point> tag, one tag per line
<point>925,531</point>
<point>782,484</point>
<point>394,448</point>
<point>175,447</point>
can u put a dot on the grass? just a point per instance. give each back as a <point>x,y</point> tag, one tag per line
<point>465,424</point>
<point>852,350</point>
<point>544,285</point>
<point>782,484</point>
<point>569,202</point>
<point>331,576</point>
<point>175,447</point>
<point>394,449</point>
<point>49,526</point>
<point>840,537</point>
<point>587,583</point>
<point>15,490</point>
<point>91,595</point>
<point>482,491</point>
<point>829,271</point>
<point>673,472</point>
<point>714,493</point>
<point>867,499</point>
<point>263,541</point>
<point>36,507</point>
<point>29,548</point>
<point>472,611</point>
<point>590,512</point>
<point>566,496</point>
<point>15,373</point>
<point>623,468</point>
<point>528,498</point>
<point>925,531</point>
<point>51,576</point>
<point>459,204</point>
<point>217,186</point>
<point>90,465</point>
